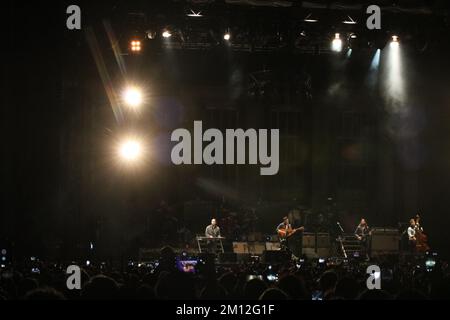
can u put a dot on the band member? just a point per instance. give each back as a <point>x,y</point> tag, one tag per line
<point>213,230</point>
<point>418,226</point>
<point>412,234</point>
<point>421,238</point>
<point>284,231</point>
<point>362,230</point>
<point>362,233</point>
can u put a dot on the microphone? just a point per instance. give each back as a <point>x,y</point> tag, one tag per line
<point>340,227</point>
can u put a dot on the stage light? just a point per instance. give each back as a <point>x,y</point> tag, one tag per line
<point>309,19</point>
<point>135,46</point>
<point>227,36</point>
<point>194,14</point>
<point>349,21</point>
<point>336,44</point>
<point>132,97</point>
<point>166,34</point>
<point>130,150</point>
<point>394,42</point>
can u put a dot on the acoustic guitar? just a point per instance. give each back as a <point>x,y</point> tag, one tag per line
<point>286,233</point>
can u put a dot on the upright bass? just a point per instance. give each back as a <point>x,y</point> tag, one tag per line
<point>421,237</point>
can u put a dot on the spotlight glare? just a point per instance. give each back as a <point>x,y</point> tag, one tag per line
<point>166,34</point>
<point>227,36</point>
<point>130,150</point>
<point>336,44</point>
<point>132,96</point>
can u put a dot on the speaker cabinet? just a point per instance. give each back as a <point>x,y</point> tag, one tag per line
<point>385,242</point>
<point>240,247</point>
<point>273,246</point>
<point>256,248</point>
<point>309,240</point>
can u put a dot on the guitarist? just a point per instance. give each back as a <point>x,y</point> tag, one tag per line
<point>284,231</point>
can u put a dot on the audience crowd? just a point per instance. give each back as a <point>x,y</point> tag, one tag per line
<point>401,279</point>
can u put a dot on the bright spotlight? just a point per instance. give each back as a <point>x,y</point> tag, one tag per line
<point>376,60</point>
<point>130,150</point>
<point>135,46</point>
<point>393,76</point>
<point>132,97</point>
<point>227,36</point>
<point>394,42</point>
<point>166,34</point>
<point>336,44</point>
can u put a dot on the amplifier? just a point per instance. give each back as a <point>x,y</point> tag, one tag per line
<point>256,247</point>
<point>273,246</point>
<point>385,242</point>
<point>323,252</point>
<point>309,240</point>
<point>310,253</point>
<point>240,247</point>
<point>323,240</point>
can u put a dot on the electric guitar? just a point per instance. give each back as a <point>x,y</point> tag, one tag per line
<point>286,233</point>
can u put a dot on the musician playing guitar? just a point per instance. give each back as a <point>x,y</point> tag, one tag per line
<point>285,231</point>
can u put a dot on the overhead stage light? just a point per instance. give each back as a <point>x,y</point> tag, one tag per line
<point>336,44</point>
<point>310,19</point>
<point>349,20</point>
<point>194,14</point>
<point>135,46</point>
<point>394,42</point>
